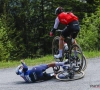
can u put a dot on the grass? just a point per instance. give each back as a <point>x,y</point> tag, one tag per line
<point>43,60</point>
<point>91,54</point>
<point>29,62</point>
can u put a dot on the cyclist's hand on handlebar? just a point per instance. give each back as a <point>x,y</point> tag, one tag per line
<point>51,34</point>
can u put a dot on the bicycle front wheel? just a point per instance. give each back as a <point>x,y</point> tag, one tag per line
<point>84,63</point>
<point>76,56</point>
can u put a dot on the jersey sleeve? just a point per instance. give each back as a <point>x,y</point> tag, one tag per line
<point>56,23</point>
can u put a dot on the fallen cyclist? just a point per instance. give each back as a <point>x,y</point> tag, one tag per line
<point>37,73</point>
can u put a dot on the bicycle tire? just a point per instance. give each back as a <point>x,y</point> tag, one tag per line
<point>76,76</point>
<point>79,55</point>
<point>55,47</point>
<point>84,63</point>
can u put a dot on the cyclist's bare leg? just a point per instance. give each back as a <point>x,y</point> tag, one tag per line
<point>51,65</point>
<point>56,64</point>
<point>61,45</point>
<point>74,41</point>
<point>75,49</point>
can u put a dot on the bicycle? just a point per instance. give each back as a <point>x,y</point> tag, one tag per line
<point>69,74</point>
<point>78,59</point>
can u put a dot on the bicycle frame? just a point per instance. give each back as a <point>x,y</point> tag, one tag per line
<point>67,40</point>
<point>71,52</point>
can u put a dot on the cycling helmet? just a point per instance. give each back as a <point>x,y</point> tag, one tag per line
<point>59,10</point>
<point>19,69</point>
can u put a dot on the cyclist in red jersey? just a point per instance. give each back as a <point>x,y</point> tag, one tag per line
<point>72,25</point>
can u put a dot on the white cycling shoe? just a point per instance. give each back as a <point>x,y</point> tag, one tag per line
<point>57,56</point>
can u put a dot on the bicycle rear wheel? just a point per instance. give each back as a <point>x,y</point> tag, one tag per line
<point>55,50</point>
<point>55,45</point>
<point>76,55</point>
<point>62,76</point>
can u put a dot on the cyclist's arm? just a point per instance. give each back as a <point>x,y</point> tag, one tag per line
<point>56,23</point>
<point>25,68</point>
<point>55,27</point>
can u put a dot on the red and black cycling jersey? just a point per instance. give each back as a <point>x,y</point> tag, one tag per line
<point>67,17</point>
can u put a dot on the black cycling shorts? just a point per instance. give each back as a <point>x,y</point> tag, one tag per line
<point>71,29</point>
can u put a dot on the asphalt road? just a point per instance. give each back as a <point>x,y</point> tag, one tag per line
<point>91,81</point>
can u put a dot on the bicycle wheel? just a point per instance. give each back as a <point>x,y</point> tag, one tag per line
<point>76,55</point>
<point>84,63</point>
<point>55,47</point>
<point>63,76</point>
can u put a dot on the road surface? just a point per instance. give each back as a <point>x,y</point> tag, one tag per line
<point>91,81</point>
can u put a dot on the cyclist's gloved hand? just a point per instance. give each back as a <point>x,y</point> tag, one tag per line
<point>52,32</point>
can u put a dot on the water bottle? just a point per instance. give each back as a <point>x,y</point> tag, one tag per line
<point>65,47</point>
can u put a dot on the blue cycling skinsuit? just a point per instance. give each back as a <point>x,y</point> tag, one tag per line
<point>35,74</point>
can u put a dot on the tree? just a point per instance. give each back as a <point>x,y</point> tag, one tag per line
<point>28,23</point>
<point>89,36</point>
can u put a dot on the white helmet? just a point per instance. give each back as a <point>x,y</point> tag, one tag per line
<point>19,69</point>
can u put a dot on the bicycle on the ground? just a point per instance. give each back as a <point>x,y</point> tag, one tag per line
<point>68,73</point>
<point>70,52</point>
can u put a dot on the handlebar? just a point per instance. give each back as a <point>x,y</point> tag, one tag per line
<point>58,30</point>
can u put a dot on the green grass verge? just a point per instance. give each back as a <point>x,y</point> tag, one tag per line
<point>29,62</point>
<point>91,54</point>
<point>43,60</point>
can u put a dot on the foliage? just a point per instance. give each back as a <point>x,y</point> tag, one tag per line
<point>25,26</point>
<point>89,34</point>
<point>5,43</point>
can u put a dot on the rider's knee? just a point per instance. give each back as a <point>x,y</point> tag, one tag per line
<point>73,41</point>
<point>61,38</point>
